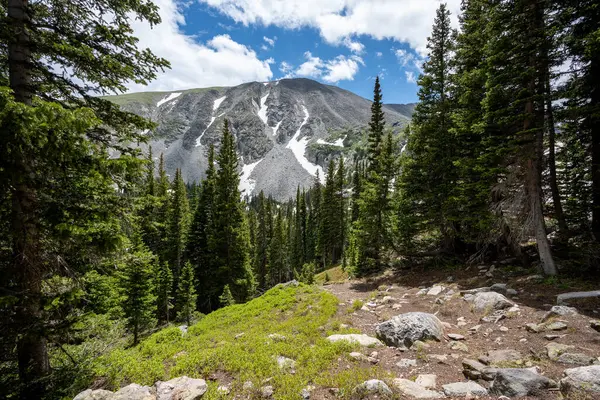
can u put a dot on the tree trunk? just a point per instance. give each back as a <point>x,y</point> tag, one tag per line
<point>28,265</point>
<point>558,210</point>
<point>594,124</point>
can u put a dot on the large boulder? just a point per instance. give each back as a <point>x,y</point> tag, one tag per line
<point>416,391</point>
<point>520,382</point>
<point>404,329</point>
<point>135,392</point>
<point>98,394</point>
<point>372,387</point>
<point>573,297</point>
<point>582,379</point>
<point>559,311</point>
<point>462,389</point>
<point>363,340</point>
<point>490,301</point>
<point>182,388</point>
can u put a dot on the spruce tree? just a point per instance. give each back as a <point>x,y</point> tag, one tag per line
<point>178,226</point>
<point>163,289</point>
<point>376,126</point>
<point>186,294</point>
<point>229,240</point>
<point>279,270</point>
<point>262,242</point>
<point>226,298</point>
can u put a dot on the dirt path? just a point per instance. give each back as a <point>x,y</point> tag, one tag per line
<point>389,296</point>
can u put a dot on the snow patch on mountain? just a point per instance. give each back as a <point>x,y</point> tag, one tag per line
<point>170,97</point>
<point>248,184</point>
<point>337,143</point>
<point>276,128</point>
<point>212,119</point>
<point>218,102</point>
<point>262,111</point>
<point>298,147</point>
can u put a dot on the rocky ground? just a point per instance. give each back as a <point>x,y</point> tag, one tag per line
<point>502,334</point>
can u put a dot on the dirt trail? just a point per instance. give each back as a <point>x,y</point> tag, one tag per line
<point>388,296</point>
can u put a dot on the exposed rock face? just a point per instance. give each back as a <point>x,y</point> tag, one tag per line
<point>363,340</point>
<point>519,382</point>
<point>404,329</point>
<point>182,388</point>
<point>282,129</point>
<point>585,379</point>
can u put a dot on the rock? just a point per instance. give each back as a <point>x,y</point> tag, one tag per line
<point>490,301</point>
<point>239,335</point>
<point>404,329</point>
<point>396,306</point>
<point>285,363</point>
<point>363,340</point>
<point>556,311</point>
<point>134,391</point>
<point>595,325</point>
<point>266,391</point>
<point>581,379</point>
<point>511,292</point>
<point>372,387</point>
<point>503,329</point>
<point>553,337</point>
<point>460,346</point>
<point>435,290</point>
<point>428,381</point>
<point>494,357</point>
<point>387,299</point>
<point>534,328</point>
<point>181,388</point>
<point>414,390</point>
<point>461,389</point>
<point>575,359</point>
<point>566,298</point>
<point>405,363</point>
<point>183,329</point>
<point>456,336</point>
<point>556,326</point>
<point>440,358</point>
<point>276,337</point>
<point>475,291</point>
<point>499,288</point>
<point>477,370</point>
<point>223,390</point>
<point>248,385</point>
<point>520,382</point>
<point>474,329</point>
<point>554,350</point>
<point>89,394</point>
<point>358,356</point>
<point>305,394</point>
<point>494,317</point>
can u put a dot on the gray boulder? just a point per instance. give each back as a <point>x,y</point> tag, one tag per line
<point>89,394</point>
<point>567,298</point>
<point>372,387</point>
<point>181,388</point>
<point>490,301</point>
<point>137,392</point>
<point>581,379</point>
<point>575,359</point>
<point>462,389</point>
<point>501,356</point>
<point>520,382</point>
<point>404,329</point>
<point>557,311</point>
<point>416,391</point>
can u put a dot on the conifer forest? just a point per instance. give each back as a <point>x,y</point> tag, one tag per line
<point>501,160</point>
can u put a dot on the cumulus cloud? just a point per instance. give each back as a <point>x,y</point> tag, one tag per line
<point>332,71</point>
<point>410,77</point>
<point>406,21</point>
<point>220,61</point>
<point>355,47</point>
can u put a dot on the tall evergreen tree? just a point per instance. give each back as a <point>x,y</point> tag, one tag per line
<point>178,226</point>
<point>262,242</point>
<point>186,294</point>
<point>163,289</point>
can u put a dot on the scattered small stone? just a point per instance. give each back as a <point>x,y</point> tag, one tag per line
<point>248,385</point>
<point>435,290</point>
<point>280,338</point>
<point>414,390</point>
<point>183,329</point>
<point>387,299</point>
<point>358,356</point>
<point>595,325</point>
<point>334,391</point>
<point>556,311</point>
<point>556,326</point>
<point>503,329</point>
<point>419,345</point>
<point>474,329</point>
<point>266,391</point>
<point>460,346</point>
<point>554,350</point>
<point>440,358</point>
<point>363,340</point>
<point>456,336</point>
<point>439,300</point>
<point>405,363</point>
<point>534,328</point>
<point>396,306</point>
<point>461,389</point>
<point>223,390</point>
<point>553,337</point>
<point>239,335</point>
<point>501,356</point>
<point>523,340</point>
<point>286,364</point>
<point>494,317</point>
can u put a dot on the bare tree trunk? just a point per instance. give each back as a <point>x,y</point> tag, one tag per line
<point>28,265</point>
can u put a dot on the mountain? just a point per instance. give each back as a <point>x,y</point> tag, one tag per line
<point>286,130</point>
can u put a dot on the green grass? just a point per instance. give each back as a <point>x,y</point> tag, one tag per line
<point>336,275</point>
<point>303,314</point>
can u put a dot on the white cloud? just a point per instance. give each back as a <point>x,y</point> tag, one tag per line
<point>219,61</point>
<point>410,77</point>
<point>404,57</point>
<point>285,67</point>
<point>270,42</point>
<point>342,68</point>
<point>355,47</point>
<point>379,54</point>
<point>311,68</point>
<point>407,21</point>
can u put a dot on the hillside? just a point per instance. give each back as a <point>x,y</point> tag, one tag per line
<point>275,123</point>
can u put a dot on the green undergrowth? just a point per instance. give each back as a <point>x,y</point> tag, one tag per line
<point>332,275</point>
<point>234,342</point>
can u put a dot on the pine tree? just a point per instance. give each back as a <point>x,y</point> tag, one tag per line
<point>376,126</point>
<point>356,189</point>
<point>136,284</point>
<point>226,298</point>
<point>163,287</point>
<point>278,263</point>
<point>178,226</point>
<point>186,294</point>
<point>262,242</point>
<point>57,134</point>
<point>229,241</point>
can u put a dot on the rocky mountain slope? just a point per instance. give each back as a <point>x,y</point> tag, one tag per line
<point>274,123</point>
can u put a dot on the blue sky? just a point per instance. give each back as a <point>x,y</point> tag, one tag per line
<point>338,42</point>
